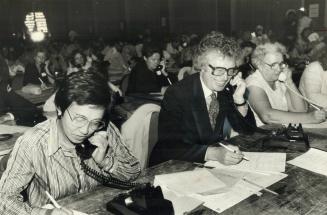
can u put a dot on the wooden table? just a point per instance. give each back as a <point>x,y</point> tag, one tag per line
<point>302,192</point>
<point>37,99</point>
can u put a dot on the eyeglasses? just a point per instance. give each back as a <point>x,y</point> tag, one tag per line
<point>80,121</point>
<point>277,65</point>
<point>219,71</point>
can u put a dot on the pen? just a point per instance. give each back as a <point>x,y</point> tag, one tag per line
<point>54,202</point>
<point>262,187</point>
<point>232,150</point>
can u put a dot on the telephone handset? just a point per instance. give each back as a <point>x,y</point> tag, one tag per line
<point>282,77</point>
<point>85,151</point>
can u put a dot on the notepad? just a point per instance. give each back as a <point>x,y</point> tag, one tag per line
<point>258,161</point>
<point>314,160</point>
<point>189,182</point>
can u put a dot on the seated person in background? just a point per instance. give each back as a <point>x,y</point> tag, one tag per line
<point>272,100</point>
<point>259,37</point>
<point>246,66</point>
<point>200,110</point>
<point>313,83</point>
<point>78,61</point>
<point>144,77</point>
<point>36,76</point>
<point>12,105</point>
<point>45,158</point>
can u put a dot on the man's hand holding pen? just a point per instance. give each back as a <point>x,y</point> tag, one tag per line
<point>226,154</point>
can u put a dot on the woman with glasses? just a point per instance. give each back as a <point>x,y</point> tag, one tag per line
<point>45,158</point>
<point>274,98</point>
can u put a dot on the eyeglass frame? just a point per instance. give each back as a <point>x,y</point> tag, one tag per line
<point>226,71</point>
<point>89,125</point>
<point>281,65</point>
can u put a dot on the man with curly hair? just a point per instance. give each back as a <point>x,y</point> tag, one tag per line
<point>203,108</point>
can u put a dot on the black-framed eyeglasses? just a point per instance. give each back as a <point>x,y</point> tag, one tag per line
<point>219,71</point>
<point>276,65</point>
<point>81,121</point>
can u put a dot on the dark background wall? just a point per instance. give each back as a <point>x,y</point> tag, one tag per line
<point>113,18</point>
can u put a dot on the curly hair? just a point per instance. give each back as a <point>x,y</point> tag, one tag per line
<point>217,41</point>
<point>261,50</point>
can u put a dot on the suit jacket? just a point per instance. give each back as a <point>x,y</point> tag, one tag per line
<point>184,130</point>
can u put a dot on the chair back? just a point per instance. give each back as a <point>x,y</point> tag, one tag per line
<point>140,132</point>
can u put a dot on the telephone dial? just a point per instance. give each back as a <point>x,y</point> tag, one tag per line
<point>84,151</point>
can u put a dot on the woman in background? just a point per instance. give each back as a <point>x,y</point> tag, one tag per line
<point>145,76</point>
<point>272,100</point>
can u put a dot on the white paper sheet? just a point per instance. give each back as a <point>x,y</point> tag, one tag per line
<point>238,192</point>
<point>258,161</point>
<point>181,204</point>
<point>189,182</point>
<point>314,160</point>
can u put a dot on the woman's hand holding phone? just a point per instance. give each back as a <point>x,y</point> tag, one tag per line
<point>240,84</point>
<point>99,139</point>
<point>286,75</point>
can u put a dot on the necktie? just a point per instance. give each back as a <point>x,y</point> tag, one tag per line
<point>213,110</point>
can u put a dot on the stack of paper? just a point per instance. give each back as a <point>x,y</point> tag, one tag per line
<point>190,182</point>
<point>222,187</point>
<point>178,188</point>
<point>240,190</point>
<point>314,160</point>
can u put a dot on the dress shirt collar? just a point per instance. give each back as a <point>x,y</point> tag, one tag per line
<point>56,139</point>
<point>207,92</point>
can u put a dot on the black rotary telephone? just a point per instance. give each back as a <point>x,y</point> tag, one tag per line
<point>290,139</point>
<point>84,151</point>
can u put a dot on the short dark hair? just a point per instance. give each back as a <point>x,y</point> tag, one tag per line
<point>85,88</point>
<point>150,48</point>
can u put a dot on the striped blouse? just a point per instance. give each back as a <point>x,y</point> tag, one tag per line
<point>39,162</point>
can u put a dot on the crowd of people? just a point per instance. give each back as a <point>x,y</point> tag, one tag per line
<point>224,85</point>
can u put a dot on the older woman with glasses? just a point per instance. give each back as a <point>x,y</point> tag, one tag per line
<point>272,92</point>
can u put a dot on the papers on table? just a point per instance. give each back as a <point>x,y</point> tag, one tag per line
<point>258,161</point>
<point>221,188</point>
<point>190,182</point>
<point>239,191</point>
<point>314,160</point>
<point>11,129</point>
